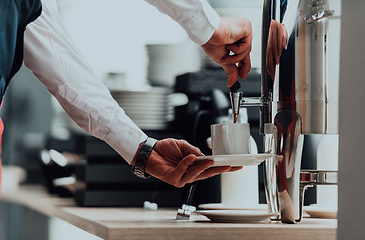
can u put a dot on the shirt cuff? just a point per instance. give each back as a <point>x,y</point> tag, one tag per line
<point>196,17</point>
<point>125,138</point>
<point>202,25</point>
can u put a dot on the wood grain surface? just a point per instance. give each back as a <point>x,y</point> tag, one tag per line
<point>137,223</point>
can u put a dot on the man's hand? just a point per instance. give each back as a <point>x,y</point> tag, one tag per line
<point>233,35</point>
<point>173,161</point>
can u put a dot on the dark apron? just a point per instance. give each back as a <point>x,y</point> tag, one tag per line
<point>14,17</point>
<point>1,152</point>
<point>1,149</point>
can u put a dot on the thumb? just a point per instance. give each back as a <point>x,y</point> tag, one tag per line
<point>187,148</point>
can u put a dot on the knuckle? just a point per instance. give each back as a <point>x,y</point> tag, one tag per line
<point>180,185</point>
<point>173,183</point>
<point>183,141</point>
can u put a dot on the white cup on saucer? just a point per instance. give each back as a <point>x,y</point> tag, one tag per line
<point>230,138</point>
<point>239,189</point>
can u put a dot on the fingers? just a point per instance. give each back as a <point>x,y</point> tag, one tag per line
<point>213,171</point>
<point>174,161</point>
<point>197,170</point>
<point>187,148</point>
<point>182,167</point>
<point>241,55</point>
<point>242,71</point>
<point>241,46</point>
<point>245,66</point>
<point>232,73</point>
<point>231,59</point>
<point>241,51</point>
<point>185,173</point>
<point>233,35</point>
<point>234,169</point>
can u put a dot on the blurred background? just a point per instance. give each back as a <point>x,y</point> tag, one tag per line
<point>140,54</point>
<point>131,46</point>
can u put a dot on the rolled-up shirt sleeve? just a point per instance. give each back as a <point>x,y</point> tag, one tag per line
<point>54,59</point>
<point>197,17</point>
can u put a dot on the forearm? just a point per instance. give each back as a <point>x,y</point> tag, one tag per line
<point>197,17</point>
<point>55,61</point>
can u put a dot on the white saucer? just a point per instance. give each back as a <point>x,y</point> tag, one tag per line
<point>318,212</point>
<point>236,216</point>
<point>237,159</point>
<point>220,206</point>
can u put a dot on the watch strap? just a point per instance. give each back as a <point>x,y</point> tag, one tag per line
<point>144,153</point>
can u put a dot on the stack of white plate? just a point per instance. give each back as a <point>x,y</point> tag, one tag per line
<point>148,109</point>
<point>168,61</point>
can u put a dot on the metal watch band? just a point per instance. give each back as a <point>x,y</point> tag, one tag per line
<point>144,153</point>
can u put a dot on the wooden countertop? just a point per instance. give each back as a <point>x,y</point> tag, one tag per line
<point>137,223</point>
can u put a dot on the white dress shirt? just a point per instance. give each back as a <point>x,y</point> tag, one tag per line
<point>197,17</point>
<point>55,60</point>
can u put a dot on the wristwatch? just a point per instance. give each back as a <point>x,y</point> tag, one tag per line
<point>144,153</point>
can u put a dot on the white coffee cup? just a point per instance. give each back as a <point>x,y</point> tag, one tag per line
<point>230,138</point>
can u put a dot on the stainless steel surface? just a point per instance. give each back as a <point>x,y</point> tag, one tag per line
<point>286,167</point>
<point>235,102</point>
<point>268,13</point>
<point>308,178</point>
<point>270,139</point>
<point>300,80</point>
<point>295,78</point>
<point>296,93</point>
<point>318,16</point>
<point>318,177</point>
<point>252,101</point>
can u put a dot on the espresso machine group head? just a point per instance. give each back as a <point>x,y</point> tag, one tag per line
<point>296,94</point>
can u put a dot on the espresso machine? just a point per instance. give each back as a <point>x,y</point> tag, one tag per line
<point>297,98</point>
